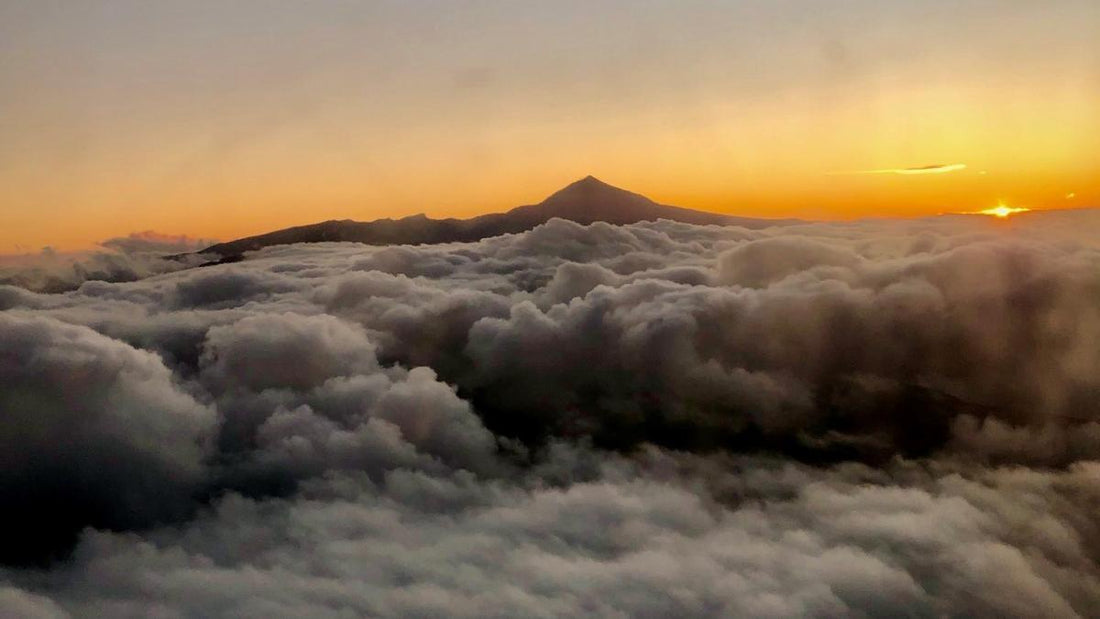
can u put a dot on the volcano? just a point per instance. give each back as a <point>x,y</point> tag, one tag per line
<point>585,201</point>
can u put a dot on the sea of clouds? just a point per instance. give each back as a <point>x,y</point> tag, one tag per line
<point>877,418</point>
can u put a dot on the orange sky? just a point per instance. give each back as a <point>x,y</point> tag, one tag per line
<point>214,121</point>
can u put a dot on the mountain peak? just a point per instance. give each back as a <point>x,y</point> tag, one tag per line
<point>590,181</point>
<point>584,201</point>
<point>591,189</point>
<point>590,199</point>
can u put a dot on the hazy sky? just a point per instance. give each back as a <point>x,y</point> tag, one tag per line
<point>220,119</point>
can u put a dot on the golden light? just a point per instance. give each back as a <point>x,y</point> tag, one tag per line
<point>1002,211</point>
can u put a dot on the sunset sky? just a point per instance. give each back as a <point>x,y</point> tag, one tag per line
<point>222,119</point>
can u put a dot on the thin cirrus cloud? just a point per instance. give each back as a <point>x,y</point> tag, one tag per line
<point>940,168</point>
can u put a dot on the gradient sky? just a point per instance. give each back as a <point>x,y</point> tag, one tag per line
<point>221,119</point>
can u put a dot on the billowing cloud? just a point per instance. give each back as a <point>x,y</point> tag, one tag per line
<point>868,418</point>
<point>95,433</point>
<point>123,259</point>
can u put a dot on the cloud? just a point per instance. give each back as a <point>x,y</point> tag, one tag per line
<point>663,535</point>
<point>129,258</point>
<point>942,168</point>
<point>95,433</point>
<point>656,419</point>
<point>22,604</point>
<point>155,242</point>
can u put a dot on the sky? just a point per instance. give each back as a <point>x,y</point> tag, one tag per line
<point>219,120</point>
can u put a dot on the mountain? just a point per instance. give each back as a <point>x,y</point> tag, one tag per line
<point>585,201</point>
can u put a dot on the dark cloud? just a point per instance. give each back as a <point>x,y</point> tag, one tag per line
<point>868,418</point>
<point>95,433</point>
<point>660,537</point>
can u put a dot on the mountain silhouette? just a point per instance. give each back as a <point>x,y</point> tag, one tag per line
<point>585,201</point>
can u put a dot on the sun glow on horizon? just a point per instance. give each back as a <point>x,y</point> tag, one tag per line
<point>201,126</point>
<point>1002,211</point>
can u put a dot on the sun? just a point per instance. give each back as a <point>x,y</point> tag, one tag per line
<point>1002,211</point>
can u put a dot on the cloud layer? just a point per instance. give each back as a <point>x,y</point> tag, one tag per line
<point>872,418</point>
<point>122,259</point>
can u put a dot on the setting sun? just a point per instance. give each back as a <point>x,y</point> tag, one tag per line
<point>1002,211</point>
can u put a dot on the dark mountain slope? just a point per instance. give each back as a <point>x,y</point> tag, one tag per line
<point>585,201</point>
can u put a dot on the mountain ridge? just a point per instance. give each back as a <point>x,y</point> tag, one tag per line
<point>584,201</point>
